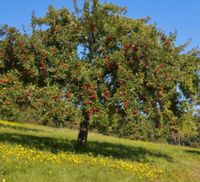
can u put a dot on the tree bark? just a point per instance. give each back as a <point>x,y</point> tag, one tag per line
<point>83,133</point>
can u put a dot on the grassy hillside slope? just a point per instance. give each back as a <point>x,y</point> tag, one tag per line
<point>30,153</point>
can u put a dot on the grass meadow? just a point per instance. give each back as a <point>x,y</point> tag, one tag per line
<point>32,153</point>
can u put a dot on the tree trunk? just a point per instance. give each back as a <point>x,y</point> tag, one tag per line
<point>83,133</point>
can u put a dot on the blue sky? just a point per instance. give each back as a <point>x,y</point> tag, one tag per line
<point>169,15</point>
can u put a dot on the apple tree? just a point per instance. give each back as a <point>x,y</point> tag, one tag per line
<point>118,72</point>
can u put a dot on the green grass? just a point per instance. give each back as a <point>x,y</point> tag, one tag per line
<point>43,154</point>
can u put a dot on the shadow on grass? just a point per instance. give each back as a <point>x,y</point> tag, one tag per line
<point>118,151</point>
<point>193,152</point>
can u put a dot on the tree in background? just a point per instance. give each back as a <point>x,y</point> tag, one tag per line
<point>120,75</point>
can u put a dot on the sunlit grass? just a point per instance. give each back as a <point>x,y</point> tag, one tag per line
<point>36,153</point>
<point>28,155</point>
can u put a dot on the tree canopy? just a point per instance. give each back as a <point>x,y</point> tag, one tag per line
<point>99,68</point>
